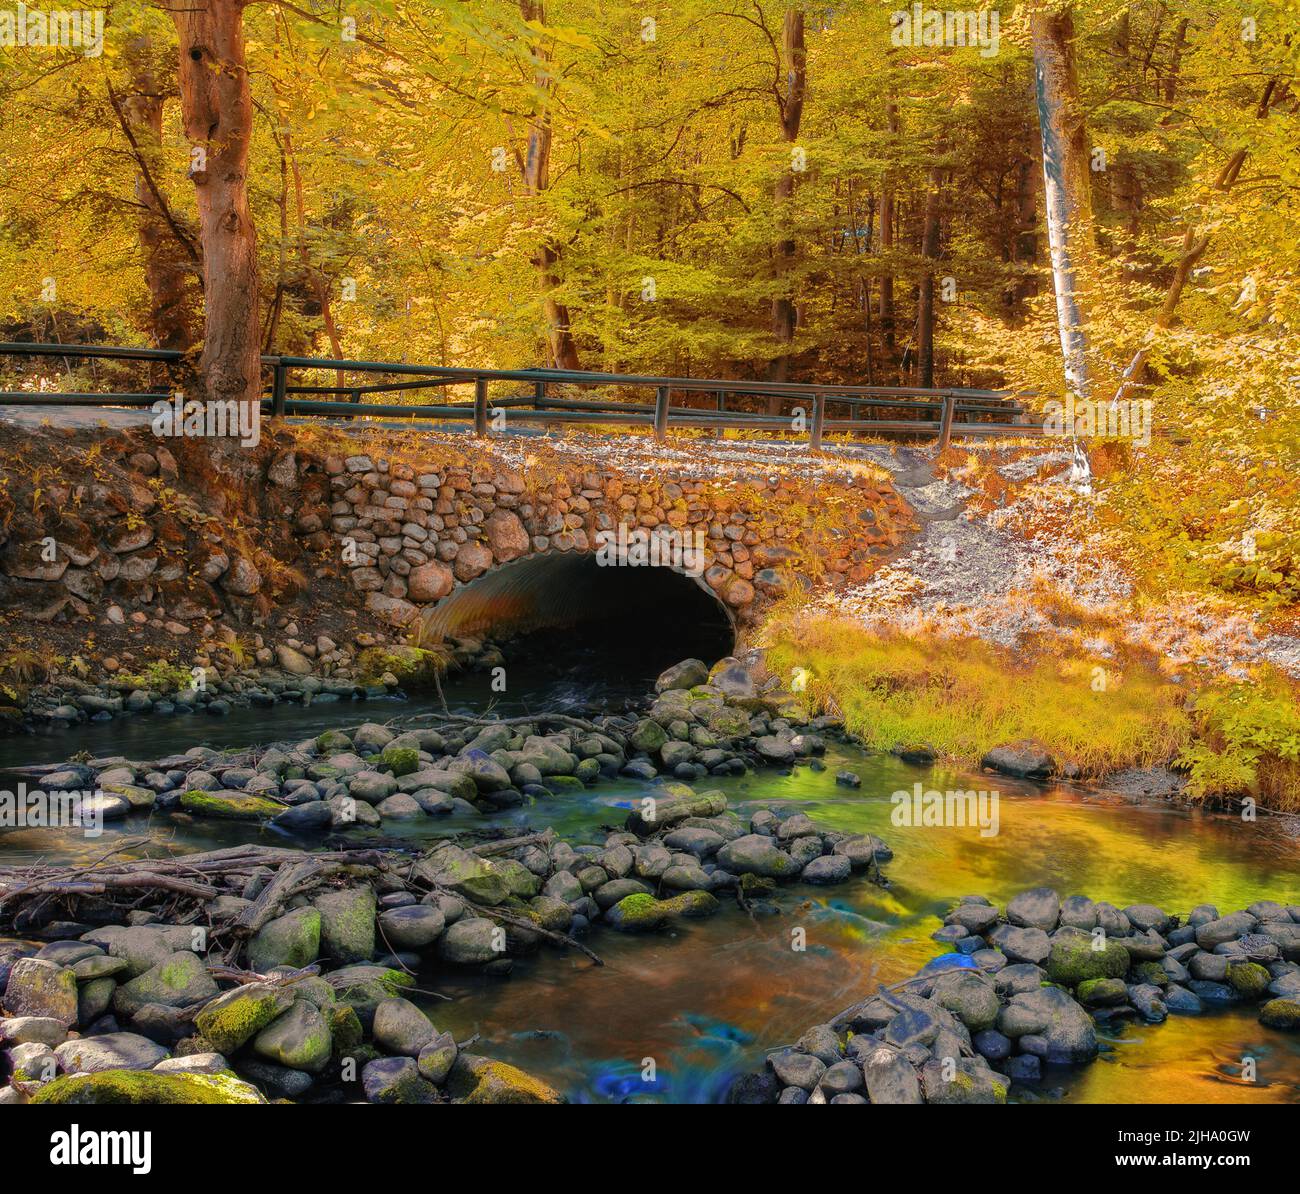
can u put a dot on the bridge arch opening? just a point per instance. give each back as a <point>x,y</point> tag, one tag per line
<point>607,625</point>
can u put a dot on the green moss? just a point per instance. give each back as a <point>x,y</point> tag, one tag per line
<point>400,760</point>
<point>332,740</point>
<point>1073,959</point>
<point>1281,1013</point>
<point>230,806</point>
<point>1249,978</point>
<point>482,1081</point>
<point>142,1087</point>
<point>237,1016</point>
<point>345,1029</point>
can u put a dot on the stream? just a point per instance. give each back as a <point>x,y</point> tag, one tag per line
<point>706,1000</point>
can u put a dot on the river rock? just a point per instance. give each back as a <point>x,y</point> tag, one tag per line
<point>1025,758</point>
<point>1022,945</point>
<point>1039,908</point>
<point>478,879</point>
<point>298,1039</point>
<point>42,989</point>
<point>347,923</point>
<point>889,1077</point>
<point>968,1083</point>
<point>402,1028</point>
<point>471,942</point>
<point>1283,1014</point>
<point>437,1058</point>
<point>236,1016</point>
<point>112,1051</point>
<point>1067,1031</point>
<point>756,854</point>
<point>480,1080</point>
<point>416,926</point>
<point>1075,958</point>
<point>828,869</point>
<point>396,1080</point>
<point>970,997</point>
<point>180,980</point>
<point>687,674</point>
<point>1225,929</point>
<point>136,1087</point>
<point>289,940</point>
<point>23,1030</point>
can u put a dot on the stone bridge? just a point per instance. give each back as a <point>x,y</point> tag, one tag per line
<point>473,541</point>
<point>437,533</point>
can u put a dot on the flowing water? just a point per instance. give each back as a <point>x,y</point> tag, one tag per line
<point>706,1000</point>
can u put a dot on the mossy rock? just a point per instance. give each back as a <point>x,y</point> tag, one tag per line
<point>1150,972</point>
<point>347,923</point>
<point>1281,1013</point>
<point>647,736</point>
<point>560,785</point>
<point>642,913</point>
<point>1249,978</point>
<point>138,798</point>
<point>181,980</point>
<point>1074,958</point>
<point>299,1039</point>
<point>236,1016</point>
<point>345,1028</point>
<point>482,1080</point>
<point>332,740</point>
<point>229,806</point>
<point>1102,992</point>
<point>145,1088</point>
<point>636,913</point>
<point>400,760</point>
<point>289,940</point>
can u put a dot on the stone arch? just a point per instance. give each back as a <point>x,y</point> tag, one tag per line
<point>556,590</point>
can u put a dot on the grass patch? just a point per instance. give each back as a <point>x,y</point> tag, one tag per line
<point>963,696</point>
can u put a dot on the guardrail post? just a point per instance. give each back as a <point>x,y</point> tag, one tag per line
<point>480,407</point>
<point>818,422</point>
<point>945,424</point>
<point>539,395</point>
<point>277,389</point>
<point>661,412</point>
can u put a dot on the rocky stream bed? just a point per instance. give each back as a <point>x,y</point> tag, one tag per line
<point>258,972</point>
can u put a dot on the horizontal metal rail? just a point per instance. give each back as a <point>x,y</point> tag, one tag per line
<point>903,410</point>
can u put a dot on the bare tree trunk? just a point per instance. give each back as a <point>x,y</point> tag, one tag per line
<point>790,108</point>
<point>925,297</point>
<point>887,221</point>
<point>537,164</point>
<point>218,116</point>
<point>1067,185</point>
<point>171,258</point>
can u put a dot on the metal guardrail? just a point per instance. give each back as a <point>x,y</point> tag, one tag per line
<point>911,410</point>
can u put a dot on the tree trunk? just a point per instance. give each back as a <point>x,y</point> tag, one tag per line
<point>218,119</point>
<point>925,296</point>
<point>888,217</point>
<point>559,335</point>
<point>790,109</point>
<point>1067,186</point>
<point>171,258</point>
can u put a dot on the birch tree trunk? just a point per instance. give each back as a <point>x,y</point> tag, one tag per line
<point>1067,186</point>
<point>218,118</point>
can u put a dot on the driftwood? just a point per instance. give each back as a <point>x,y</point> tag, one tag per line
<point>188,883</point>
